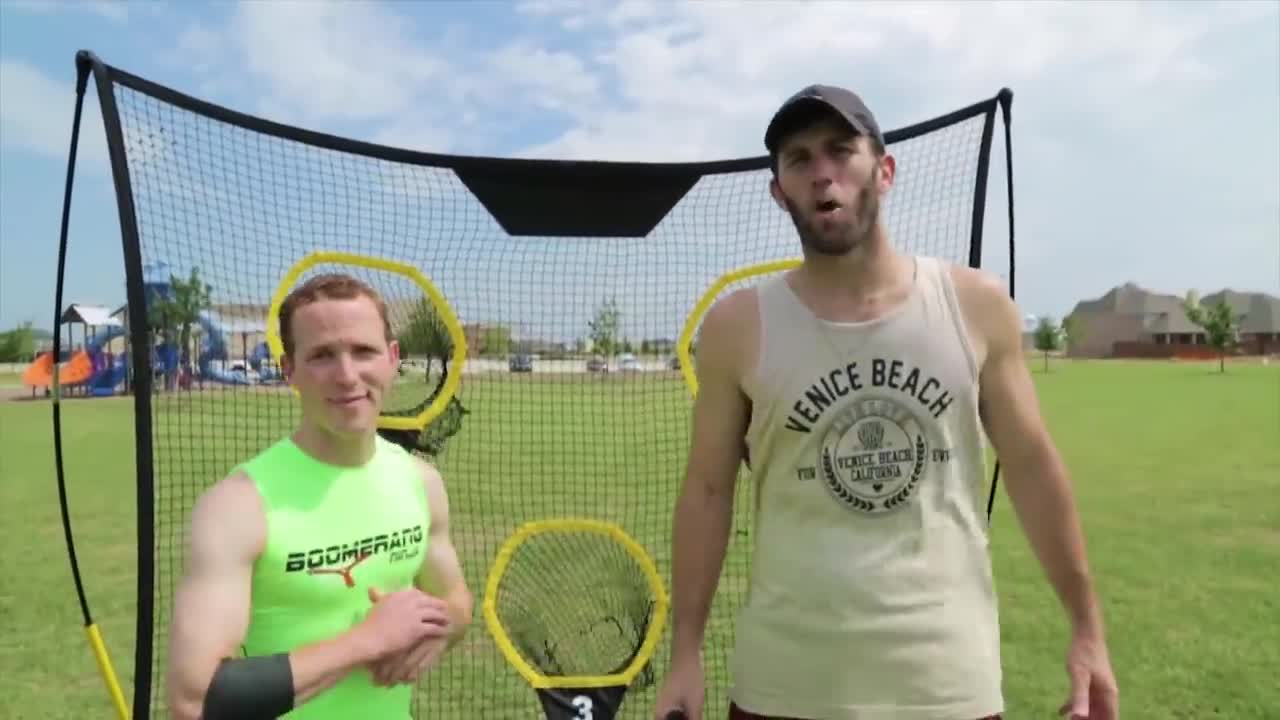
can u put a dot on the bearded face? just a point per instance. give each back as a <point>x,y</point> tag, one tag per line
<point>831,183</point>
<point>835,227</point>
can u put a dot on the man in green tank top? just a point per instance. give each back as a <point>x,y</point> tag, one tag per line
<point>320,578</point>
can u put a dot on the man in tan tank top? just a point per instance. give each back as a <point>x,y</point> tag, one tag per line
<point>862,386</point>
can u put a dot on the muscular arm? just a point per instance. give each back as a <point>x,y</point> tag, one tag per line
<point>441,574</point>
<point>211,617</point>
<point>704,510</point>
<point>1037,481</point>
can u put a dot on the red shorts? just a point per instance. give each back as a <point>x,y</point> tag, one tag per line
<point>737,713</point>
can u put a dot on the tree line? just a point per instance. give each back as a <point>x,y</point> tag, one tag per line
<point>424,333</point>
<point>18,344</point>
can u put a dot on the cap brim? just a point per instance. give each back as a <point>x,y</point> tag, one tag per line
<point>799,113</point>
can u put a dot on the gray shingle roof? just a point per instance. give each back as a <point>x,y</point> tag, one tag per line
<point>1163,313</point>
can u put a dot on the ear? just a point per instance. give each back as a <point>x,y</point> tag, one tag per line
<point>393,351</point>
<point>888,171</point>
<point>775,190</point>
<point>286,367</point>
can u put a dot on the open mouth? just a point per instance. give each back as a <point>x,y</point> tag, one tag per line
<point>828,207</point>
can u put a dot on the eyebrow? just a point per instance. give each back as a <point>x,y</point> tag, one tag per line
<point>842,138</point>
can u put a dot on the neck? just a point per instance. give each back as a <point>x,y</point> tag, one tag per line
<point>327,447</point>
<point>869,269</point>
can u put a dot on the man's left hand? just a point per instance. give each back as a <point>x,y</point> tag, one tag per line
<point>1094,695</point>
<point>408,666</point>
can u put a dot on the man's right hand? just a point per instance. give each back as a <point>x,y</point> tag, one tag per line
<point>399,620</point>
<point>683,689</point>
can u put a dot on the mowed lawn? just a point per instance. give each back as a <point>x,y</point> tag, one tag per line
<point>1177,470</point>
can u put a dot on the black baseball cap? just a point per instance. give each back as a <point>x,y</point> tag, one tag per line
<point>803,107</point>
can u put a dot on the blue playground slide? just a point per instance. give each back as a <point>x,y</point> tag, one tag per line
<point>107,373</point>
<point>214,348</point>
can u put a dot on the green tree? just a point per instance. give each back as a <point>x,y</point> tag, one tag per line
<point>494,341</point>
<point>1220,323</point>
<point>604,327</point>
<point>190,298</point>
<point>1048,337</point>
<point>1072,331</point>
<point>425,334</point>
<point>176,314</point>
<point>162,324</point>
<point>18,344</point>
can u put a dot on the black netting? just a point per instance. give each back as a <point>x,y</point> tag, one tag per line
<point>570,403</point>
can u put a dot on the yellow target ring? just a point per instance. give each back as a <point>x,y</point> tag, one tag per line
<point>611,532</point>
<point>447,316</point>
<point>707,300</point>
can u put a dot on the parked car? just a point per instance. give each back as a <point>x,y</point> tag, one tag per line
<point>597,364</point>
<point>628,363</point>
<point>520,363</point>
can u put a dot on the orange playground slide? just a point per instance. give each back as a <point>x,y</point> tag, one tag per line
<point>75,371</point>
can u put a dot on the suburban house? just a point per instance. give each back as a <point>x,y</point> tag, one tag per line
<point>1131,321</point>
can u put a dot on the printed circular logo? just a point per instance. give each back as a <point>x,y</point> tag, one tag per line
<point>873,455</point>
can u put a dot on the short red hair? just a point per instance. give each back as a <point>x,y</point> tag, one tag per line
<point>328,286</point>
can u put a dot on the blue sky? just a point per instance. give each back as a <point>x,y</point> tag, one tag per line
<point>1145,140</point>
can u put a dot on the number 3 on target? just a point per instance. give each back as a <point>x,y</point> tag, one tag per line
<point>583,703</point>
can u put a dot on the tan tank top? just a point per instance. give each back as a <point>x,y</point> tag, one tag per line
<point>871,594</point>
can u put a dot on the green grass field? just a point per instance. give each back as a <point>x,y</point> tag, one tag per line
<point>1177,469</point>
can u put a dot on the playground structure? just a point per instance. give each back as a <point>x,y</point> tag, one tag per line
<point>96,370</point>
<point>93,369</point>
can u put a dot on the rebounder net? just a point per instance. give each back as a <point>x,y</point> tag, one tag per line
<point>571,285</point>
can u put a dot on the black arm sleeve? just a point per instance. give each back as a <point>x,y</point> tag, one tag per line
<point>251,688</point>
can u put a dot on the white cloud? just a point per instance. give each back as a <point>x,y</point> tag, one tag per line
<point>342,66</point>
<point>37,112</point>
<point>714,70</point>
<point>551,80</point>
<point>1122,111</point>
<point>117,10</point>
<point>1144,133</point>
<point>333,60</point>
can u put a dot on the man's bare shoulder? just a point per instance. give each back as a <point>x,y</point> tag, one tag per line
<point>975,285</point>
<point>989,311</point>
<point>229,514</point>
<point>732,310</point>
<point>427,471</point>
<point>433,485</point>
<point>729,330</point>
<point>235,491</point>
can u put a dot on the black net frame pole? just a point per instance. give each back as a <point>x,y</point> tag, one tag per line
<point>96,643</point>
<point>551,205</point>
<point>55,388</point>
<point>1005,99</point>
<point>140,357</point>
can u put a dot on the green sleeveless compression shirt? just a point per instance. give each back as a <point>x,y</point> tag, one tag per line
<point>332,533</point>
